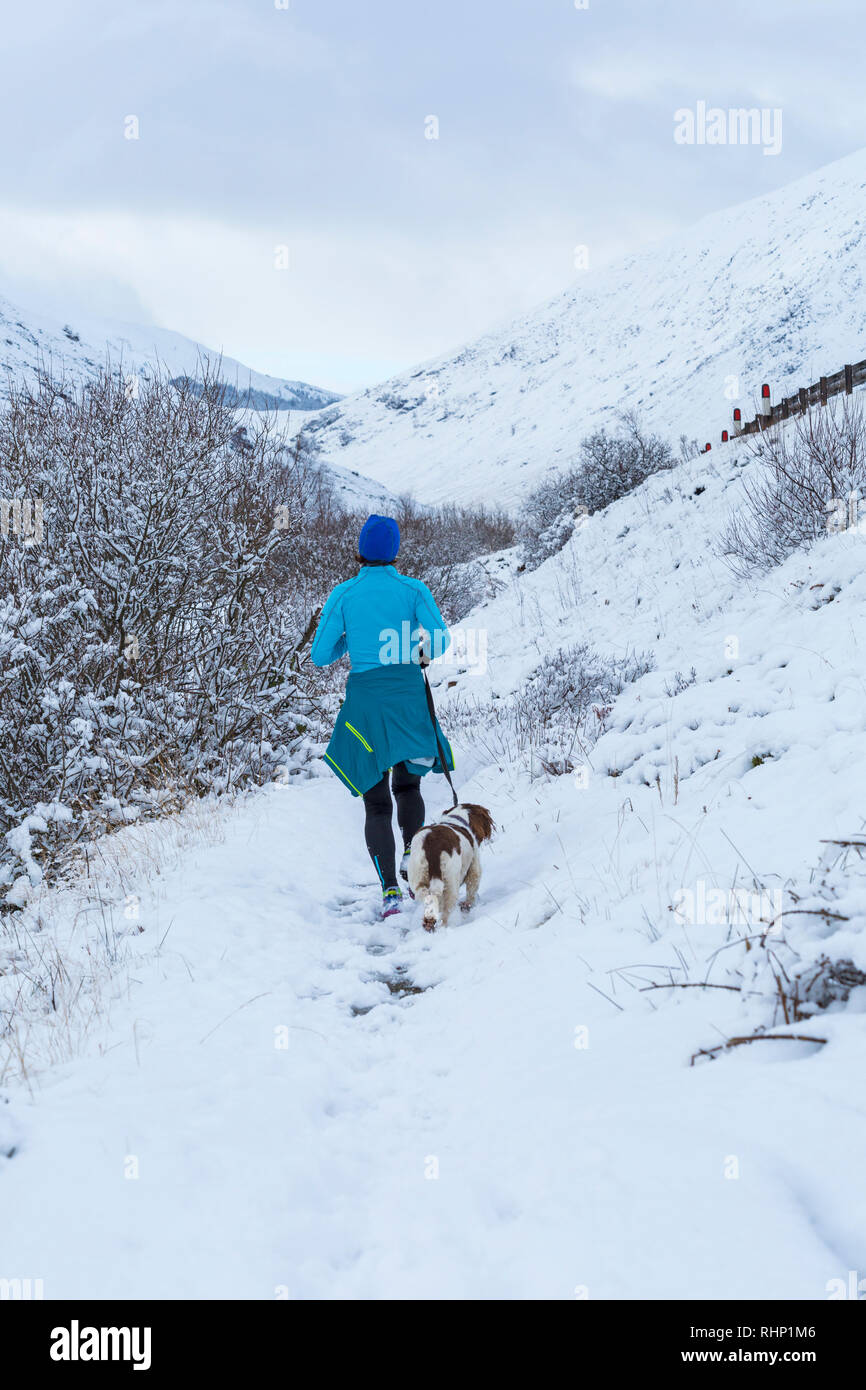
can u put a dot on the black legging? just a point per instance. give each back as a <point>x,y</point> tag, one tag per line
<point>378,830</point>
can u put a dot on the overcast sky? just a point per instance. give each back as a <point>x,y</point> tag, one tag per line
<point>306,127</point>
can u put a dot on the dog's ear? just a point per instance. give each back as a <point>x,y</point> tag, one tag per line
<point>480,821</point>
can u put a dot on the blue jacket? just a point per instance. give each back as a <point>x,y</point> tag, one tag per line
<point>384,719</point>
<point>368,617</point>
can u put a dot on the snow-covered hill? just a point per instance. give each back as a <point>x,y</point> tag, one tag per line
<point>768,291</point>
<point>80,347</point>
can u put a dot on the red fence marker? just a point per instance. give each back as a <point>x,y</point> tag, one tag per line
<point>851,375</point>
<point>766,403</point>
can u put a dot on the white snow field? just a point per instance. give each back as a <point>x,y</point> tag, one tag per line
<point>770,291</point>
<point>253,1112</point>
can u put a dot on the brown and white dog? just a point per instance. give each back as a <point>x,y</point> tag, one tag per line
<point>444,855</point>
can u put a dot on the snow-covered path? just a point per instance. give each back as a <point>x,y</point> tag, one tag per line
<point>451,1143</point>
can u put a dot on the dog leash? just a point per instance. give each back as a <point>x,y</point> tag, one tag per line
<point>442,758</point>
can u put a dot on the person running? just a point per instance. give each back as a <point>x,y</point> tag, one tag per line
<point>389,625</point>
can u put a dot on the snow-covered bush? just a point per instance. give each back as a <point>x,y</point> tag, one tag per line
<point>802,953</point>
<point>147,629</point>
<point>811,481</point>
<point>607,467</point>
<point>557,713</point>
<point>161,573</point>
<point>815,955</point>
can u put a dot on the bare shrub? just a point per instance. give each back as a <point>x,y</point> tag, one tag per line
<point>809,469</point>
<point>608,467</point>
<point>687,449</point>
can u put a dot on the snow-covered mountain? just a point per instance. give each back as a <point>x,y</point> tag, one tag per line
<point>768,291</point>
<point>80,346</point>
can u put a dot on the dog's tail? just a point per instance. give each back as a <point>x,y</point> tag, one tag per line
<point>433,902</point>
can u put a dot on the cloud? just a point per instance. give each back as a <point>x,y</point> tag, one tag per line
<point>305,126</point>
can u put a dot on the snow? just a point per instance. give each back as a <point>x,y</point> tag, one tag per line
<point>770,291</point>
<point>529,1124</point>
<point>243,1085</point>
<point>304,1172</point>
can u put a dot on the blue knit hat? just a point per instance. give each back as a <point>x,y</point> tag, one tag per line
<point>379,539</point>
